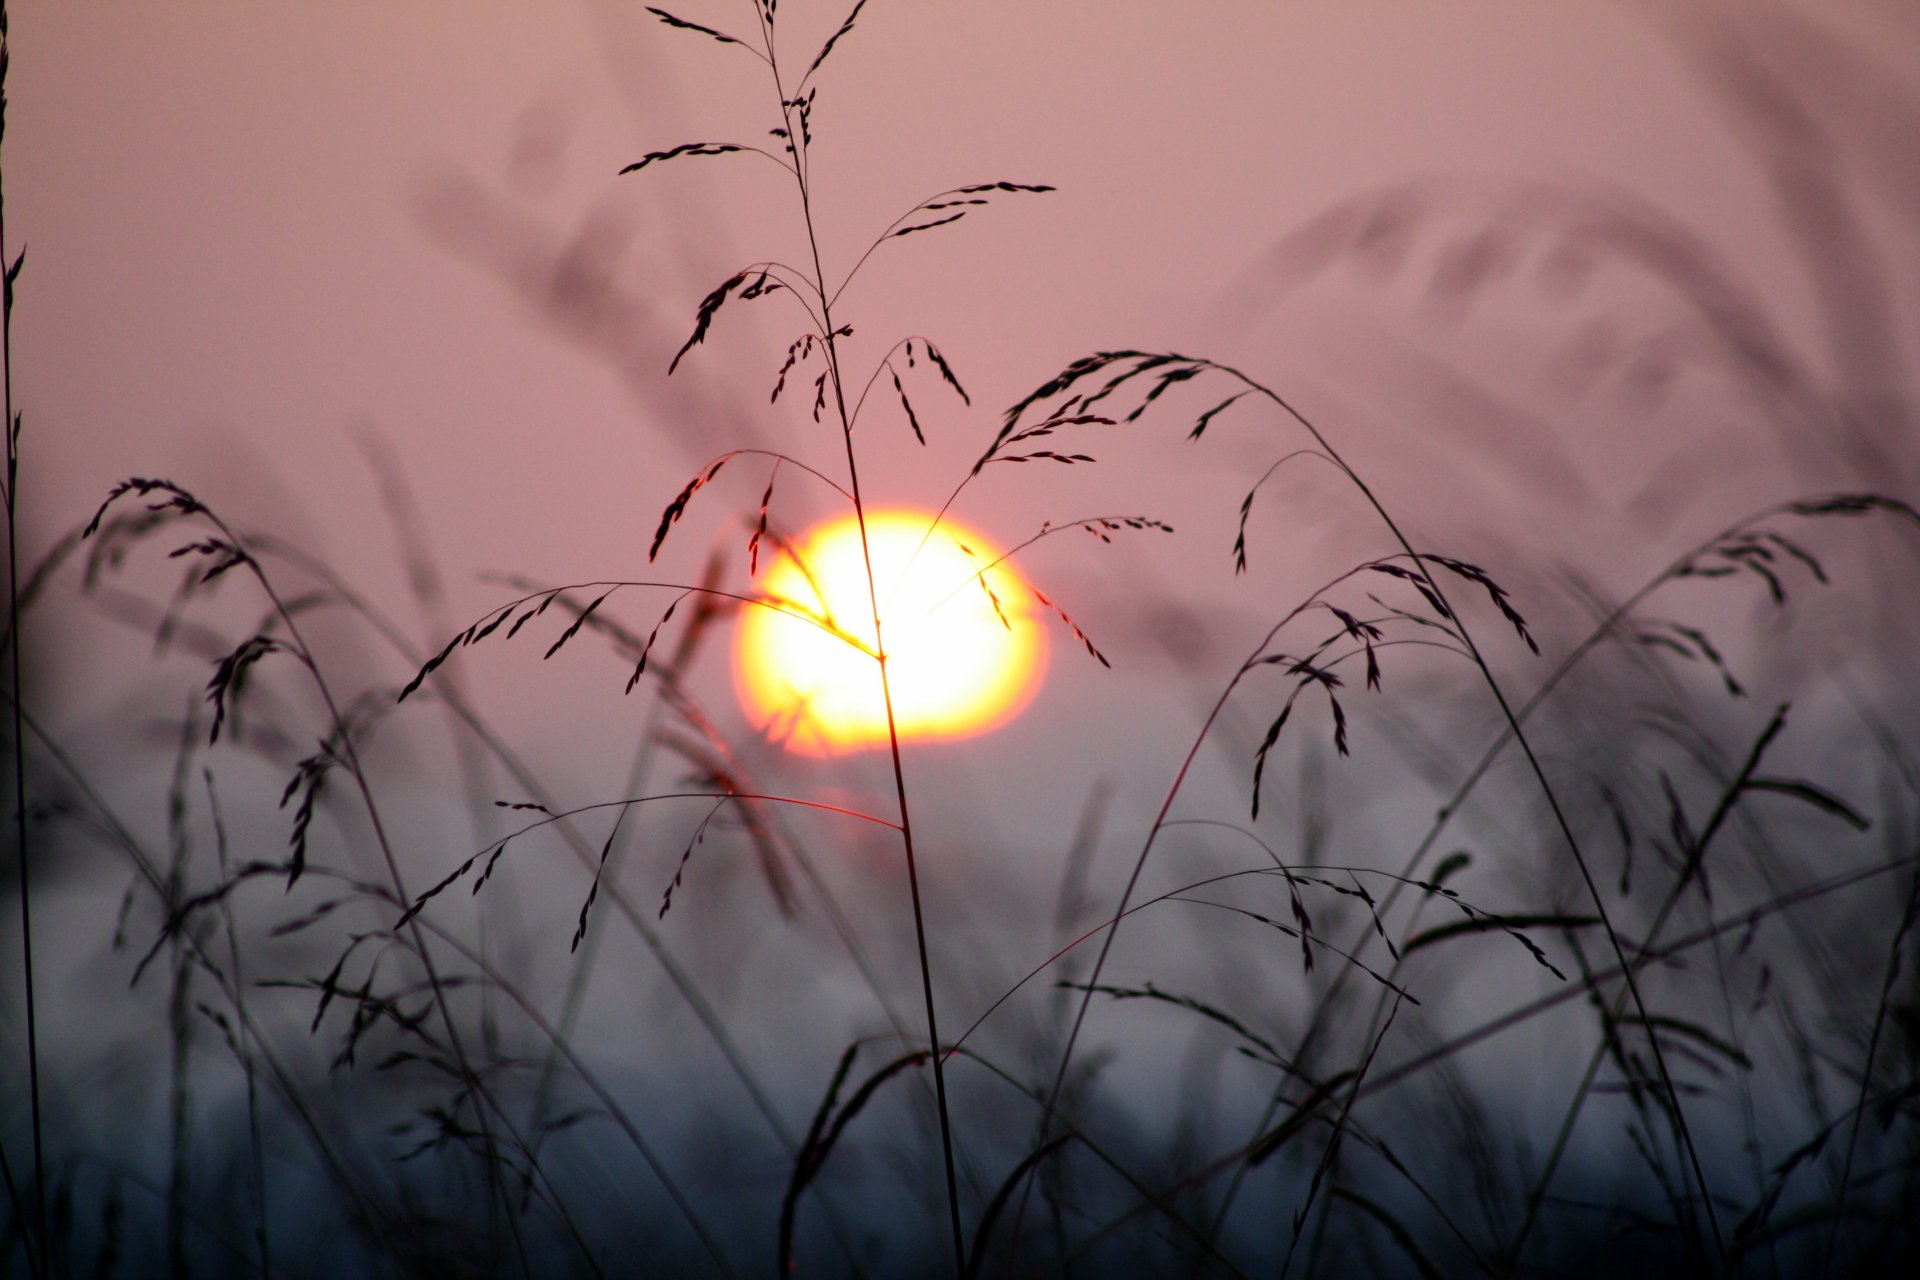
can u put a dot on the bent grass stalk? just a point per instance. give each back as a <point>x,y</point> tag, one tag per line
<point>1693,562</point>
<point>228,553</point>
<point>1177,368</point>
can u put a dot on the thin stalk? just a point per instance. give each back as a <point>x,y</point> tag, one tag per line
<point>797,136</point>
<point>899,776</point>
<point>179,1006</point>
<point>256,1168</point>
<point>10,425</point>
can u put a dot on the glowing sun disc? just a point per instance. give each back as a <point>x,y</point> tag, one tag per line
<point>958,664</point>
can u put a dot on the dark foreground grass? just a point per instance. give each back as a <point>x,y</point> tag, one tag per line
<point>1636,995</point>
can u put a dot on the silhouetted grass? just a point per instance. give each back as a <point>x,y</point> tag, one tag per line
<point>1257,1044</point>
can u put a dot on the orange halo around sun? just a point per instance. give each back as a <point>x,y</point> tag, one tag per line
<point>958,665</point>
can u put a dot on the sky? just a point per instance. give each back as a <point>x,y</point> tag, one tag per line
<point>278,252</point>
<point>270,244</point>
<point>1570,284</point>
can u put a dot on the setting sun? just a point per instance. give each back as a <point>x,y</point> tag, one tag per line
<point>965,650</point>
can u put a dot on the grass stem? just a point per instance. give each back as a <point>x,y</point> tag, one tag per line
<point>10,426</point>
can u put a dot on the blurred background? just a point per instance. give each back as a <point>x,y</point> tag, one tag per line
<point>1573,287</point>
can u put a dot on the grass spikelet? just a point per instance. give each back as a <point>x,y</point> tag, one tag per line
<point>1267,741</point>
<point>1478,921</point>
<point>694,149</point>
<point>928,226</point>
<point>600,869</point>
<point>480,633</point>
<point>1365,633</point>
<point>486,873</point>
<point>801,348</point>
<point>329,986</point>
<point>418,904</point>
<point>833,40</point>
<point>1005,186</point>
<point>523,804</point>
<point>177,500</point>
<point>1200,424</point>
<point>1799,553</point>
<point>181,912</point>
<point>436,661</point>
<point>1104,527</point>
<point>640,667</point>
<point>993,598</point>
<point>1170,378</point>
<point>1690,643</point>
<point>1072,626</point>
<point>1008,439</point>
<point>230,674</point>
<point>686,855</point>
<point>224,555</point>
<point>1856,504</point>
<point>1475,574</point>
<point>1059,384</point>
<point>711,771</point>
<point>1756,558</point>
<point>678,507</point>
<point>946,372</point>
<point>684,25</point>
<point>527,616</point>
<point>709,305</point>
<point>1810,794</point>
<point>907,404</point>
<point>573,628</point>
<point>760,526</point>
<point>308,779</point>
<point>1420,584</point>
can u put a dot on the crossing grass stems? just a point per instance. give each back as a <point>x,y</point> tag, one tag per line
<point>425,998</point>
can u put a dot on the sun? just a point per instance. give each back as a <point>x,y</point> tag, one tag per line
<point>965,649</point>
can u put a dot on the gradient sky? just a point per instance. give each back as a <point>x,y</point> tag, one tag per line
<point>262,235</point>
<point>1572,284</point>
<point>258,231</point>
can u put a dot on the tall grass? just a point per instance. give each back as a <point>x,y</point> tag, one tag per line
<point>1636,994</point>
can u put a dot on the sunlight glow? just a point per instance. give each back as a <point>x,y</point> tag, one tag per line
<point>957,668</point>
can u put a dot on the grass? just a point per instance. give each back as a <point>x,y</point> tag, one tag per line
<point>1635,994</point>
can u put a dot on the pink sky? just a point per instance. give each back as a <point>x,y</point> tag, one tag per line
<point>1571,283</point>
<point>258,230</point>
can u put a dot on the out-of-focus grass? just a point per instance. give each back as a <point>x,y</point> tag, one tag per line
<point>1594,956</point>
